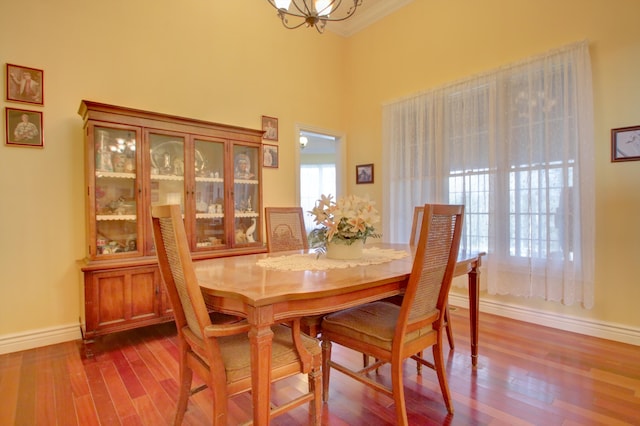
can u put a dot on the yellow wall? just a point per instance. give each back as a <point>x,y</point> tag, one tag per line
<point>231,62</point>
<point>431,43</point>
<point>223,61</point>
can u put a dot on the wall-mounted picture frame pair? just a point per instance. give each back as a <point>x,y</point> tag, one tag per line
<point>24,127</point>
<point>269,151</point>
<point>625,144</point>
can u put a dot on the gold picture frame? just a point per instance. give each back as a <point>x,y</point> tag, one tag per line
<point>25,84</point>
<point>270,127</point>
<point>364,173</point>
<point>23,128</point>
<point>625,144</point>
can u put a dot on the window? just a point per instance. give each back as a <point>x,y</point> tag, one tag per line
<point>515,146</point>
<point>315,180</point>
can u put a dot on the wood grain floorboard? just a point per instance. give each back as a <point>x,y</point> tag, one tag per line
<point>526,375</point>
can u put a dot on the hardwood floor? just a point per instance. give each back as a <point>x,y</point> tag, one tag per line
<point>526,375</point>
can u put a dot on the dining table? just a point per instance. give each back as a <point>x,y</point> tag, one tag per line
<point>272,288</point>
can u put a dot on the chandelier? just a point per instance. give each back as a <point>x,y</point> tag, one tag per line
<point>313,13</point>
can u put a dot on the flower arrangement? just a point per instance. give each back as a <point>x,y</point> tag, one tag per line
<point>344,221</point>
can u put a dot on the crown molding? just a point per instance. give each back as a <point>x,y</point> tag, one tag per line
<point>375,11</point>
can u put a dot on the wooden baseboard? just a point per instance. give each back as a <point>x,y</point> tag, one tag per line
<point>610,331</point>
<point>36,338</point>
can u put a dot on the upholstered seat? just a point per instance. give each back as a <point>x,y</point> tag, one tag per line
<point>373,324</point>
<point>391,333</point>
<point>220,354</point>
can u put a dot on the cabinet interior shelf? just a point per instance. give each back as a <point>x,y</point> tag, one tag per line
<point>119,175</point>
<point>167,177</point>
<point>246,181</point>
<point>246,214</point>
<point>209,215</point>
<point>116,217</point>
<point>209,179</point>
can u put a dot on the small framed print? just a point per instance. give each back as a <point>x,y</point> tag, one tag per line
<point>270,156</point>
<point>23,128</point>
<point>25,84</point>
<point>270,127</point>
<point>364,173</point>
<point>625,144</point>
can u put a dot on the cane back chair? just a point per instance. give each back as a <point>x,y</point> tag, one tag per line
<point>392,333</point>
<point>220,353</point>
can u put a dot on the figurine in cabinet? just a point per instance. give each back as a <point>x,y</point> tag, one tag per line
<point>243,167</point>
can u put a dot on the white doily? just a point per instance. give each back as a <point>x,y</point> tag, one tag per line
<point>313,262</point>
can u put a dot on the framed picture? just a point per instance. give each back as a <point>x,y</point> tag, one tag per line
<point>23,128</point>
<point>25,84</point>
<point>270,156</point>
<point>364,173</point>
<point>625,144</point>
<point>270,127</point>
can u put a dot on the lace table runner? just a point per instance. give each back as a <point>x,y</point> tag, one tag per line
<point>313,262</point>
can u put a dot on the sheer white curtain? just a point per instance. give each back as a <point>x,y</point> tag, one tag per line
<point>515,146</point>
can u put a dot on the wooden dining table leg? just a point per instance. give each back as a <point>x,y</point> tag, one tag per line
<point>474,308</point>
<point>261,340</point>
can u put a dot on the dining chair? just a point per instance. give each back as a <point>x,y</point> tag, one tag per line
<point>286,231</point>
<point>220,353</point>
<point>392,333</point>
<point>418,212</point>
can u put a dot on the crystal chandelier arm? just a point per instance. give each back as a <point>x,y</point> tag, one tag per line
<point>283,16</point>
<point>306,10</point>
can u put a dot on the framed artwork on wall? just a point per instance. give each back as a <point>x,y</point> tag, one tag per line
<point>364,173</point>
<point>25,84</point>
<point>270,156</point>
<point>270,127</point>
<point>23,128</point>
<point>625,144</point>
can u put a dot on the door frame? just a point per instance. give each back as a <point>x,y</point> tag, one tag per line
<point>341,155</point>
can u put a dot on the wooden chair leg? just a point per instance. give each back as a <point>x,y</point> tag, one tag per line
<point>449,329</point>
<point>326,357</point>
<point>315,406</point>
<point>442,375</point>
<point>186,376</point>
<point>398,393</point>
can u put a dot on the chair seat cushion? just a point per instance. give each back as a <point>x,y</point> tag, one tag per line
<point>237,355</point>
<point>373,323</point>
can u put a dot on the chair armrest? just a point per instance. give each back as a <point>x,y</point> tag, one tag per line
<point>303,353</point>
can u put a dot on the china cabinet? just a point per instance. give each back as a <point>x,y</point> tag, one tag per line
<point>135,159</point>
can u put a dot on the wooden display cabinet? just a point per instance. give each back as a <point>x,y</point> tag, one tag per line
<point>135,159</point>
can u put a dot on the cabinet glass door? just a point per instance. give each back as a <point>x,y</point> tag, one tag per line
<point>209,195</point>
<point>167,169</point>
<point>247,202</point>
<point>166,173</point>
<point>115,192</point>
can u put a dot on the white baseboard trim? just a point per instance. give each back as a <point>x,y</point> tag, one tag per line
<point>48,336</point>
<point>610,331</point>
<point>36,338</point>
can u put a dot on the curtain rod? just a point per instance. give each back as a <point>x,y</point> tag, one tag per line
<point>525,61</point>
